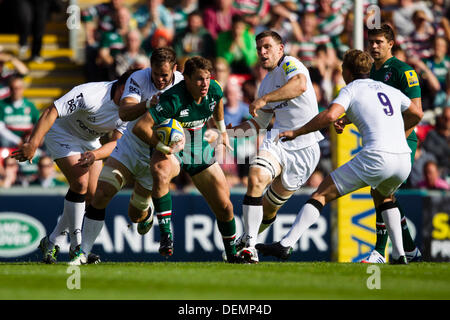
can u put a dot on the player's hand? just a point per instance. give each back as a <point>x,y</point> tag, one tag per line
<point>211,135</point>
<point>339,125</point>
<point>255,106</point>
<point>25,152</point>
<point>177,146</point>
<point>224,140</point>
<point>154,100</point>
<point>286,136</point>
<point>86,159</point>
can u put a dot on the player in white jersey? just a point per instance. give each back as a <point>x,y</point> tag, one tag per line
<point>287,93</point>
<point>131,157</point>
<point>72,127</point>
<point>382,114</point>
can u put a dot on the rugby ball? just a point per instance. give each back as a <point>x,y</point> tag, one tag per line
<point>169,132</point>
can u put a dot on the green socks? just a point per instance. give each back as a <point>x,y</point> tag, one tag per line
<point>163,210</point>
<point>228,232</point>
<point>382,235</point>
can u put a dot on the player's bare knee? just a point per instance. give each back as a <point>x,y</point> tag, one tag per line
<point>79,186</point>
<point>257,183</point>
<point>161,173</point>
<point>224,211</point>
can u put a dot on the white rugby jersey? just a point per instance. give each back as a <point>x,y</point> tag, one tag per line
<point>376,110</point>
<point>294,113</point>
<point>88,111</point>
<point>140,87</point>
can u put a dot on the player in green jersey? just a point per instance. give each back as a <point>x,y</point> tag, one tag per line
<point>392,71</point>
<point>192,102</point>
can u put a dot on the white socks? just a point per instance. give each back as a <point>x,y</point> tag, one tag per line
<point>91,230</point>
<point>307,216</point>
<point>391,218</point>
<point>60,231</point>
<point>75,215</point>
<point>253,216</point>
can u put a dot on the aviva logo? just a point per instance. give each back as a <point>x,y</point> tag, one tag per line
<point>19,234</point>
<point>355,212</point>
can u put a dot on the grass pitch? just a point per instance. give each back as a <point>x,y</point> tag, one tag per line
<point>220,281</point>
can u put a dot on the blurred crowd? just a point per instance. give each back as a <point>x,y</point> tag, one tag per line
<point>318,32</point>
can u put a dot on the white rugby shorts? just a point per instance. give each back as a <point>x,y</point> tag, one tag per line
<point>136,162</point>
<point>383,171</point>
<point>61,144</point>
<point>296,165</point>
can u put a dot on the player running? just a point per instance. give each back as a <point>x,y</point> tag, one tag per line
<point>130,160</point>
<point>72,127</point>
<point>192,102</point>
<point>382,114</point>
<point>287,93</point>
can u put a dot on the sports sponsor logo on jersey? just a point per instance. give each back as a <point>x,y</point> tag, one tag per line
<point>19,234</point>
<point>77,102</point>
<point>158,107</point>
<point>212,105</point>
<point>184,113</point>
<point>387,76</point>
<point>411,77</point>
<point>289,67</point>
<point>134,87</point>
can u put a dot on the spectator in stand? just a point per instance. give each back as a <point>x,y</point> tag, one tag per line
<point>403,14</point>
<point>11,173</point>
<point>221,71</point>
<point>399,53</point>
<point>112,43</point>
<point>46,174</point>
<point>152,16</point>
<point>131,55</point>
<point>5,73</point>
<point>254,12</point>
<point>420,158</point>
<point>439,64</point>
<point>195,40</point>
<point>331,21</point>
<point>418,42</point>
<point>235,109</point>
<point>159,39</point>
<point>97,20</point>
<point>18,115</point>
<point>237,46</point>
<point>286,24</point>
<point>217,18</point>
<point>440,23</point>
<point>32,15</point>
<point>432,179</point>
<point>181,15</point>
<point>437,141</point>
<point>311,39</point>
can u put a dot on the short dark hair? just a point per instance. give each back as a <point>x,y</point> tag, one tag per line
<point>385,30</point>
<point>270,33</point>
<point>124,77</point>
<point>193,64</point>
<point>163,55</point>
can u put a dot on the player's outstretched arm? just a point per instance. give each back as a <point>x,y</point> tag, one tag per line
<point>322,120</point>
<point>46,121</point>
